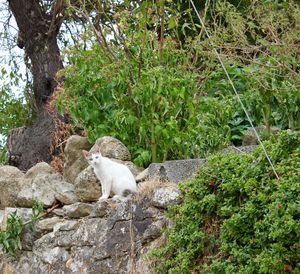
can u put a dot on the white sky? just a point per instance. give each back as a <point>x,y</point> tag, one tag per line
<point>5,54</point>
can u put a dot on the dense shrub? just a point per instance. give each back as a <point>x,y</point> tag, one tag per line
<point>169,98</point>
<point>156,111</point>
<point>236,217</point>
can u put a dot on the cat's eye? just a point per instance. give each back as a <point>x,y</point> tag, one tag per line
<point>91,159</point>
<point>97,157</point>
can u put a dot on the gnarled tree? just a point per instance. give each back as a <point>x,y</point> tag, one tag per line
<point>38,23</point>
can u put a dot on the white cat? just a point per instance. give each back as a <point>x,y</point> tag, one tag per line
<point>114,177</point>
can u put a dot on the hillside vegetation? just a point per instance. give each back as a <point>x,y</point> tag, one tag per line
<point>236,217</point>
<point>169,98</point>
<point>145,73</point>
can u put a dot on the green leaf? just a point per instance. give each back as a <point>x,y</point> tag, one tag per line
<point>172,22</point>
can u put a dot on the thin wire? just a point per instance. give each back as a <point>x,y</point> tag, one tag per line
<point>235,91</point>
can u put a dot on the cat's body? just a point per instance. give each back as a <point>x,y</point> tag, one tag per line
<point>115,178</point>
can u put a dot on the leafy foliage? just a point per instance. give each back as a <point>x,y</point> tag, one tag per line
<point>151,110</point>
<point>168,98</point>
<point>14,111</point>
<point>258,44</point>
<point>37,209</point>
<point>236,217</point>
<point>10,239</point>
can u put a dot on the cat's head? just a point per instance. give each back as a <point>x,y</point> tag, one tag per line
<point>93,157</point>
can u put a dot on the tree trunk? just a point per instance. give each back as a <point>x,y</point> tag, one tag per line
<point>30,145</point>
<point>38,35</point>
<point>40,46</point>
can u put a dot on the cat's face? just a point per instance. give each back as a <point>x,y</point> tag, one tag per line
<point>93,158</point>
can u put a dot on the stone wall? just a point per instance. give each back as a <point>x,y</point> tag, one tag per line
<point>84,235</point>
<point>101,237</point>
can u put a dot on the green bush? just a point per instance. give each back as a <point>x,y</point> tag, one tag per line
<point>156,111</point>
<point>170,99</point>
<point>236,217</point>
<point>10,238</point>
<point>14,110</point>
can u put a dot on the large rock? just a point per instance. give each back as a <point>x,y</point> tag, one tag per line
<point>174,171</point>
<point>77,210</point>
<point>39,169</point>
<point>46,188</point>
<point>66,225</point>
<point>112,148</point>
<point>163,197</point>
<point>250,137</point>
<point>65,193</point>
<point>87,186</point>
<point>47,225</point>
<point>1,217</point>
<point>142,176</point>
<point>56,255</point>
<point>75,161</point>
<point>11,180</point>
<point>238,150</point>
<point>100,209</point>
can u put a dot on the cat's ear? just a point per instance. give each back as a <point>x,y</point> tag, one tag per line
<point>97,149</point>
<point>85,153</point>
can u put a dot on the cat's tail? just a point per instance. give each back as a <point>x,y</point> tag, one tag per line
<point>128,193</point>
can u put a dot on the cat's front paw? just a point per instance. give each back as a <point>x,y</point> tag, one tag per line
<point>103,198</point>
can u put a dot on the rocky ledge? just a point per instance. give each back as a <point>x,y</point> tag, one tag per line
<point>83,235</point>
<point>101,237</point>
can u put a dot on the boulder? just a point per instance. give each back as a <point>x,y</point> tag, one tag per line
<point>56,255</point>
<point>10,172</point>
<point>165,196</point>
<point>42,189</point>
<point>111,147</point>
<point>65,193</point>
<point>250,137</point>
<point>87,186</point>
<point>46,188</point>
<point>239,150</point>
<point>47,225</point>
<point>101,208</point>
<point>174,171</point>
<point>11,180</point>
<point>39,169</point>
<point>66,225</point>
<point>75,161</point>
<point>1,217</point>
<point>25,195</point>
<point>78,210</point>
<point>142,176</point>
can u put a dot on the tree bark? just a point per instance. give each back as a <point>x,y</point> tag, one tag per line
<point>38,31</point>
<point>40,46</point>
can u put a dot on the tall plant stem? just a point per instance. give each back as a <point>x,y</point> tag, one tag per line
<point>153,143</point>
<point>143,45</point>
<point>162,30</point>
